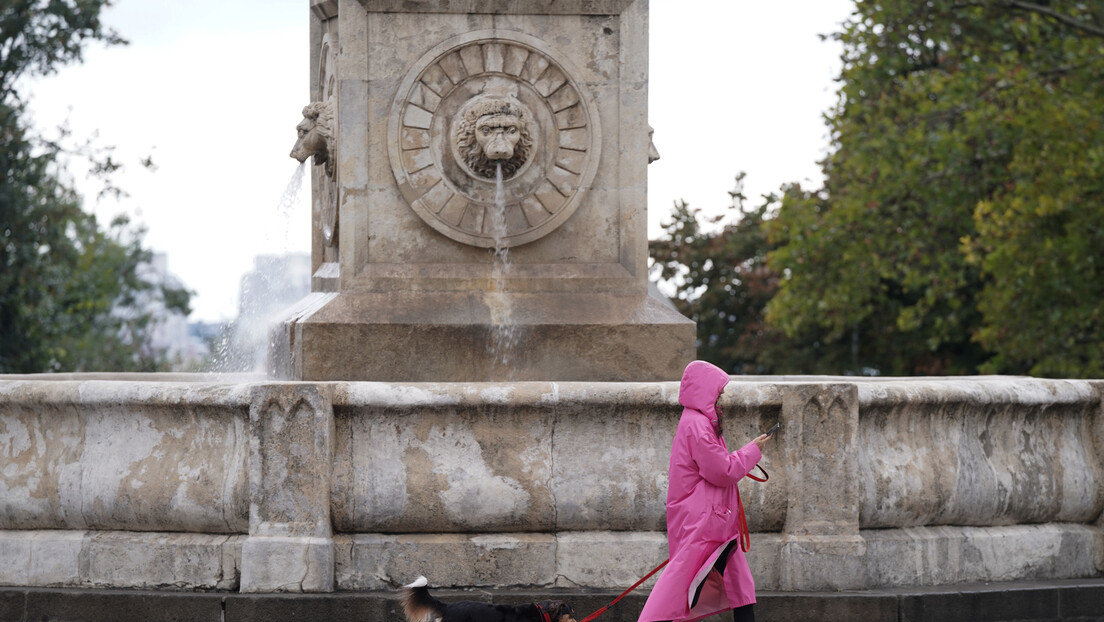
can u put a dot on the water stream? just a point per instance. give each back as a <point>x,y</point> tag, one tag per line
<point>504,332</point>
<point>244,346</point>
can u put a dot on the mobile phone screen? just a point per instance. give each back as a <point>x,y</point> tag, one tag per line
<point>774,429</point>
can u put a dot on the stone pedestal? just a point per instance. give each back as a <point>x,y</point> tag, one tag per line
<point>449,337</point>
<point>821,547</point>
<point>427,267</point>
<point>290,543</point>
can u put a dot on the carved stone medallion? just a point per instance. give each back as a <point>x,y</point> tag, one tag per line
<point>485,100</point>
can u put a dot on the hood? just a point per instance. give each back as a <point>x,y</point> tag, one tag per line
<point>702,384</point>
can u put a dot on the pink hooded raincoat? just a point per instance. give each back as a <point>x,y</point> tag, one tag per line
<point>702,509</point>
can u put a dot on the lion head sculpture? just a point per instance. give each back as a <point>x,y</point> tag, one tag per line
<point>492,132</point>
<point>316,135</point>
<point>317,138</point>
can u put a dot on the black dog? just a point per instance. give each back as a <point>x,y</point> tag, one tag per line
<point>419,606</point>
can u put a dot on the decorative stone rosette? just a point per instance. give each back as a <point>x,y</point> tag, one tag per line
<point>430,150</point>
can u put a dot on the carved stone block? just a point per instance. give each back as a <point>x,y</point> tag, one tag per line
<point>490,157</point>
<point>290,546</point>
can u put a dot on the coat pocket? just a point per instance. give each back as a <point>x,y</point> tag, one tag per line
<point>719,524</point>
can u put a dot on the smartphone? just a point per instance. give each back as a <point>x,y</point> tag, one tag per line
<point>774,429</point>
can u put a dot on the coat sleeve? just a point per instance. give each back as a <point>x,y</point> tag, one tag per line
<point>716,465</point>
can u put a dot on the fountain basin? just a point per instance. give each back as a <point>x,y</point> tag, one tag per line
<point>189,482</point>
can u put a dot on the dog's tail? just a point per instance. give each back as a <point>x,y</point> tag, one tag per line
<point>418,605</point>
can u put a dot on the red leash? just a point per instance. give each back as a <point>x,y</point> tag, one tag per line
<point>744,536</point>
<point>625,593</point>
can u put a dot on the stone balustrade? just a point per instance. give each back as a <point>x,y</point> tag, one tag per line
<point>190,483</point>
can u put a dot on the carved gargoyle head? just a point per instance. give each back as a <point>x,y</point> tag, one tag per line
<point>316,135</point>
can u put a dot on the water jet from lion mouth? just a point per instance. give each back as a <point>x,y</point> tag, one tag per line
<point>504,332</point>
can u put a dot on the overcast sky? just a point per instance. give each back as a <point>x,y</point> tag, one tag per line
<point>213,90</point>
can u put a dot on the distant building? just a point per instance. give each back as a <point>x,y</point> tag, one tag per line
<point>169,336</point>
<point>204,339</point>
<point>273,285</point>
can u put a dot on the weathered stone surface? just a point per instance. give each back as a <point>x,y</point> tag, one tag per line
<point>1097,427</point>
<point>609,557</point>
<point>119,559</point>
<point>821,421</point>
<point>446,470</point>
<point>287,564</point>
<point>821,548</point>
<point>822,562</point>
<point>589,492</point>
<point>556,337</point>
<point>41,557</point>
<point>414,236</point>
<point>995,434</point>
<point>160,560</point>
<point>522,456</point>
<point>124,456</point>
<point>945,555</point>
<point>291,448</point>
<point>374,561</point>
<point>571,474</point>
<point>765,557</point>
<point>289,548</point>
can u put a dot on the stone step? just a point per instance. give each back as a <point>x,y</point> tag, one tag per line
<point>1028,601</point>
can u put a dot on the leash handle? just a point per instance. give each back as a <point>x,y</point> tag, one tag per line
<point>625,593</point>
<point>765,477</point>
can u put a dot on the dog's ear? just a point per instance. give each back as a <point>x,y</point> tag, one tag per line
<point>558,610</point>
<point>567,614</point>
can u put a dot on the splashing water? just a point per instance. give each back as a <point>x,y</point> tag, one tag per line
<point>288,201</point>
<point>265,292</point>
<point>504,333</point>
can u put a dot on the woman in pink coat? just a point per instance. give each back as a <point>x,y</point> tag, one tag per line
<point>707,573</point>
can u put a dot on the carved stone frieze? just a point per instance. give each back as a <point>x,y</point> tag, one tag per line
<point>487,99</point>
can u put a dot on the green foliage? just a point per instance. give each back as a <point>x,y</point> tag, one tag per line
<point>72,294</point>
<point>960,223</point>
<point>722,282</point>
<point>960,226</point>
<point>39,36</point>
<point>1040,234</point>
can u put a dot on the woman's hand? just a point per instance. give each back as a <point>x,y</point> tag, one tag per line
<point>761,439</point>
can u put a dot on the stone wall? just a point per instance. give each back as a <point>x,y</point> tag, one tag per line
<point>189,483</point>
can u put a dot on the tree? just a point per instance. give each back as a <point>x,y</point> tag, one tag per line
<point>722,281</point>
<point>72,296</point>
<point>959,226</point>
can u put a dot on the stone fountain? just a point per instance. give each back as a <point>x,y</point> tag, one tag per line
<point>416,106</point>
<point>398,443</point>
